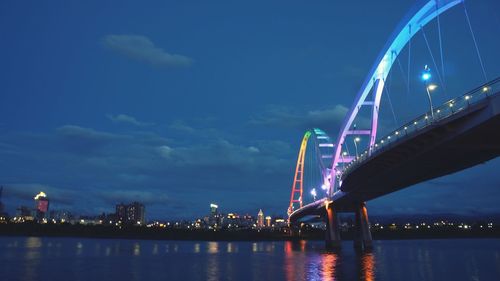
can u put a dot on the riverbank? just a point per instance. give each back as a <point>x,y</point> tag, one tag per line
<point>148,233</point>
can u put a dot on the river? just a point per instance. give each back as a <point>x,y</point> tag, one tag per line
<point>75,259</point>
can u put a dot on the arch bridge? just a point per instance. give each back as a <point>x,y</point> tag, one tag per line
<point>458,134</point>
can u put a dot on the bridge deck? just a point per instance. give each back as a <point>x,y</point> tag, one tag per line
<point>459,141</point>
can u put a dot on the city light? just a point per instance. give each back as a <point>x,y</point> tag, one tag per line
<point>41,194</point>
<point>426,75</point>
<point>432,87</point>
<point>313,193</point>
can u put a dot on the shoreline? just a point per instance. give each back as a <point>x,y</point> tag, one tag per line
<point>143,233</point>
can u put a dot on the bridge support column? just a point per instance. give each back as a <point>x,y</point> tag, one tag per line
<point>363,236</point>
<point>332,234</point>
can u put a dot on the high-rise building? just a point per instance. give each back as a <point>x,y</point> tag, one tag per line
<point>41,205</point>
<point>260,219</point>
<point>215,219</point>
<point>268,221</point>
<point>121,212</point>
<point>133,213</point>
<point>213,209</point>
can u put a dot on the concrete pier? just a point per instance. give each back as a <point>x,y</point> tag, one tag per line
<point>363,236</point>
<point>332,233</point>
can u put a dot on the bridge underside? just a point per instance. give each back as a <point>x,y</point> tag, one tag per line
<point>463,140</point>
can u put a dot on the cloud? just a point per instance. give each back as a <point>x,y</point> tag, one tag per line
<point>141,48</point>
<point>165,151</point>
<point>94,170</point>
<point>123,118</point>
<point>124,196</point>
<point>84,140</point>
<point>286,117</point>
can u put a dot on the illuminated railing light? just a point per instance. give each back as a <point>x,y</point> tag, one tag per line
<point>397,133</point>
<point>438,111</point>
<point>415,123</point>
<point>406,128</point>
<point>382,141</point>
<point>467,97</point>
<point>451,104</point>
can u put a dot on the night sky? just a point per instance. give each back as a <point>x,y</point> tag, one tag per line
<point>178,104</point>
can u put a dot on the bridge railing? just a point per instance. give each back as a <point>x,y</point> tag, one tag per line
<point>446,110</point>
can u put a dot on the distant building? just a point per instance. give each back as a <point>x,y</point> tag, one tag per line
<point>61,216</point>
<point>133,213</point>
<point>213,209</point>
<point>23,214</point>
<point>260,219</point>
<point>268,221</point>
<point>121,212</point>
<point>41,205</point>
<point>215,219</point>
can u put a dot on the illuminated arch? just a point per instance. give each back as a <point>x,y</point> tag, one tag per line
<point>323,148</point>
<point>422,13</point>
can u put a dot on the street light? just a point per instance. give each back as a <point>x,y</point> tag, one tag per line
<point>313,193</point>
<point>356,140</point>
<point>426,75</point>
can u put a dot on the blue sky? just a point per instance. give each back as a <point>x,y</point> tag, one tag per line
<point>178,104</point>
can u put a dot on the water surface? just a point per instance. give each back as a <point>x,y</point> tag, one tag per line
<point>54,259</point>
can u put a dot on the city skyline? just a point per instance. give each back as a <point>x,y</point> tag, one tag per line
<point>175,114</point>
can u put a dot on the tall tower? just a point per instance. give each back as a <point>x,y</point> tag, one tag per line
<point>41,205</point>
<point>260,219</point>
<point>213,209</point>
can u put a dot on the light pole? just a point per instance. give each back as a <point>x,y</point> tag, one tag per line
<point>426,75</point>
<point>356,140</point>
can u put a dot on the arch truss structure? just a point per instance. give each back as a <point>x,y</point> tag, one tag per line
<point>323,150</point>
<point>371,91</point>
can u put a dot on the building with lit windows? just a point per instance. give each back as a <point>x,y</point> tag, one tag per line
<point>41,205</point>
<point>133,213</point>
<point>260,219</point>
<point>268,221</point>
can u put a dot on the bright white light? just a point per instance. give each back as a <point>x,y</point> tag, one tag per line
<point>313,192</point>
<point>324,187</point>
<point>357,139</point>
<point>432,87</point>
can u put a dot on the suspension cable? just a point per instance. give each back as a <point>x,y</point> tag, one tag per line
<point>433,60</point>
<point>475,43</point>
<point>386,87</point>
<point>409,63</point>
<point>440,41</point>
<point>404,80</point>
<point>390,104</point>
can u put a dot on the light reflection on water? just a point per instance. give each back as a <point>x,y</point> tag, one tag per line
<point>35,258</point>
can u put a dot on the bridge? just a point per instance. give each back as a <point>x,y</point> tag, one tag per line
<point>456,135</point>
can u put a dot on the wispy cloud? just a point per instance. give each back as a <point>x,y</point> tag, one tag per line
<point>141,48</point>
<point>282,116</point>
<point>123,118</point>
